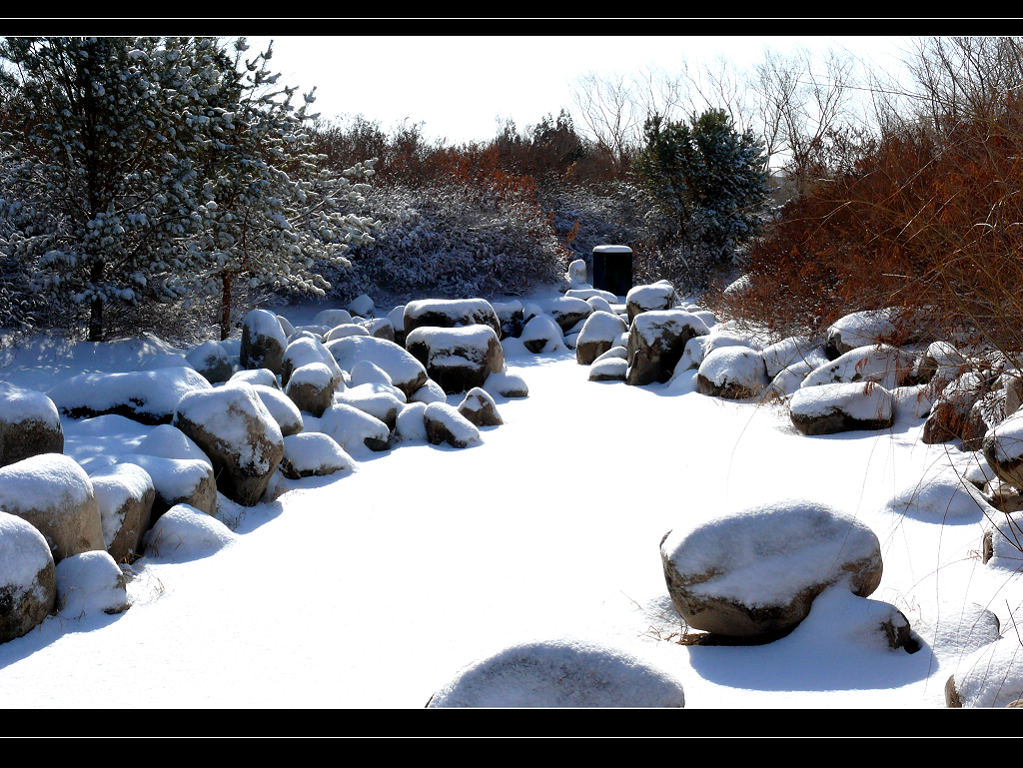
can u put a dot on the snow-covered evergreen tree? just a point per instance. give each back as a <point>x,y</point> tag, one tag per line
<point>272,213</point>
<point>98,176</point>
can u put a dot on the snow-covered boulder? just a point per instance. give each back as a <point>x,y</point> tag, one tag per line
<point>1001,543</point>
<point>617,352</point>
<point>842,407</point>
<point>478,407</point>
<point>124,494</point>
<point>943,498</point>
<point>380,327</point>
<point>170,442</point>
<point>211,361</point>
<point>510,315</point>
<point>457,358</point>
<point>861,329</point>
<point>600,304</point>
<point>560,673</point>
<point>542,334</point>
<point>396,317</point>
<point>410,426</point>
<point>178,481</point>
<point>790,379</point>
<point>355,430</point>
<point>950,411</point>
<point>940,359</point>
<point>649,298</point>
<point>609,369</point>
<point>506,384</point>
<point>53,493</point>
<point>1003,449</point>
<point>444,424</point>
<point>567,311</point>
<point>262,376</point>
<point>792,350</point>
<point>305,350</point>
<point>27,577</point>
<point>431,392</point>
<point>233,427</point>
<point>88,583</point>
<point>449,313</point>
<point>282,408</point>
<point>600,332</point>
<point>991,676</point>
<point>755,573</point>
<point>986,413</point>
<point>332,317</point>
<point>362,305</point>
<point>286,326</point>
<point>406,372</point>
<point>732,372</point>
<point>263,341</point>
<point>576,273</point>
<point>29,424</point>
<point>345,329</point>
<point>313,453</point>
<point>656,342</point>
<point>375,399</point>
<point>888,366</point>
<point>588,293</point>
<point>311,388</point>
<point>185,533</point>
<point>149,397</point>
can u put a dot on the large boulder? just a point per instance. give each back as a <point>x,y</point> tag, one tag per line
<point>949,416</point>
<point>355,430</point>
<point>53,493</point>
<point>178,481</point>
<point>406,372</point>
<point>560,673</point>
<point>211,360</point>
<point>542,334</point>
<point>28,580</point>
<point>185,533</point>
<point>567,311</point>
<point>841,407</point>
<point>755,573</point>
<point>444,424</point>
<point>233,427</point>
<point>887,365</point>
<point>149,397</point>
<point>1003,449</point>
<point>282,408</point>
<point>330,318</point>
<point>732,372</point>
<point>311,388</point>
<point>449,313</point>
<point>861,329</point>
<point>29,424</point>
<point>125,495</point>
<point>789,351</point>
<point>940,359</point>
<point>377,400</point>
<point>90,582</point>
<point>263,341</point>
<point>312,454</point>
<point>656,342</point>
<point>304,350</point>
<point>478,407</point>
<point>510,315</point>
<point>458,359</point>
<point>345,329</point>
<point>649,298</point>
<point>600,332</point>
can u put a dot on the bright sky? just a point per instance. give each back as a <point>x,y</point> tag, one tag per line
<point>460,86</point>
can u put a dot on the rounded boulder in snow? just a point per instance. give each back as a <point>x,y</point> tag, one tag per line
<point>458,359</point>
<point>755,573</point>
<point>29,424</point>
<point>263,341</point>
<point>28,580</point>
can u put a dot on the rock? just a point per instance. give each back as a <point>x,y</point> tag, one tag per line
<point>444,424</point>
<point>149,397</point>
<point>510,315</point>
<point>125,495</point>
<point>410,426</point>
<point>790,379</point>
<point>211,361</point>
<point>311,388</point>
<point>178,481</point>
<point>587,293</point>
<point>656,341</point>
<point>233,427</point>
<point>888,366</point>
<point>576,271</point>
<point>479,408</point>
<point>305,350</point>
<point>560,673</point>
<point>789,351</point>
<point>355,430</point>
<point>374,399</point>
<point>542,334</point>
<point>261,376</point>
<point>755,573</point>
<point>90,582</point>
<point>380,328</point>
<point>406,372</point>
<point>29,424</point>
<point>431,392</point>
<point>567,311</point>
<point>950,411</point>
<point>185,533</point>
<point>286,326</point>
<point>458,359</point>
<point>345,329</point>
<point>991,676</point>
<point>732,372</point>
<point>506,384</point>
<point>263,341</point>
<point>842,407</point>
<point>1002,543</point>
<point>599,304</point>
<point>366,372</point>
<point>940,359</point>
<point>609,369</point>
<point>616,352</point>
<point>396,317</point>
<point>53,493</point>
<point>313,454</point>
<point>449,313</point>
<point>648,298</point>
<point>331,318</point>
<point>362,305</point>
<point>282,408</point>
<point>861,329</point>
<point>988,411</point>
<point>27,577</point>
<point>600,333</point>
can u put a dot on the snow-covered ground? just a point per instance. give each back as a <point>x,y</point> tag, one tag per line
<point>373,589</point>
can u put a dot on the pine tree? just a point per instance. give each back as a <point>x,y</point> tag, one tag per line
<point>708,183</point>
<point>98,173</point>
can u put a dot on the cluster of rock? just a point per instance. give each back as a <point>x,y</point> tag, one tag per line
<point>235,418</point>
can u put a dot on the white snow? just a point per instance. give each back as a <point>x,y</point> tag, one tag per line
<point>543,328</point>
<point>44,481</point>
<point>261,322</point>
<point>885,364</point>
<point>350,426</point>
<point>23,552</point>
<point>343,330</point>
<point>184,533</point>
<point>18,404</point>
<point>152,393</point>
<point>861,329</point>
<point>601,326</point>
<point>89,582</point>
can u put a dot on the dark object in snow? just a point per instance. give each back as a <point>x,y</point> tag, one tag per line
<point>612,268</point>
